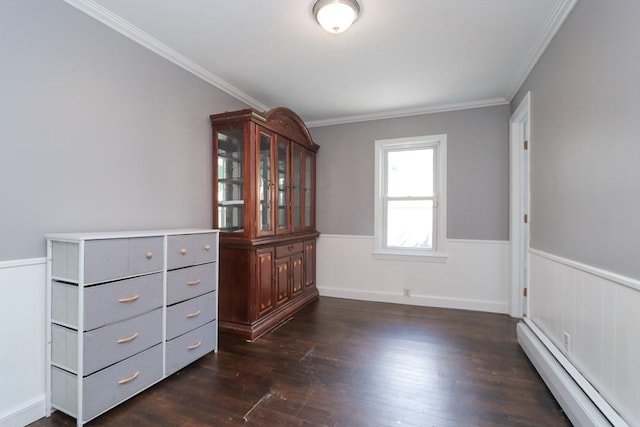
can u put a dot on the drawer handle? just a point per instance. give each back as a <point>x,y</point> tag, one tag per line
<point>130,299</point>
<point>191,315</point>
<point>128,380</point>
<point>183,251</point>
<point>127,339</point>
<point>196,345</point>
<point>207,247</point>
<point>149,255</point>
<point>193,282</point>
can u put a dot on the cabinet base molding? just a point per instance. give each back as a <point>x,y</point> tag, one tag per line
<point>253,331</point>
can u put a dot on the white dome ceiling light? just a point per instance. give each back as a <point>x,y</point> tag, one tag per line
<point>336,16</point>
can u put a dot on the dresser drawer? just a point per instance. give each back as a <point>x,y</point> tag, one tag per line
<point>107,345</point>
<point>191,346</point>
<point>185,250</point>
<point>108,387</point>
<point>107,259</point>
<point>286,250</point>
<point>187,283</point>
<point>190,314</point>
<point>106,303</point>
<point>116,258</point>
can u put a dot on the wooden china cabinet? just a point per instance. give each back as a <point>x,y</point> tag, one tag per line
<point>264,206</point>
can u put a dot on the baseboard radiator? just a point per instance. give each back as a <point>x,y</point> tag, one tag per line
<point>583,405</point>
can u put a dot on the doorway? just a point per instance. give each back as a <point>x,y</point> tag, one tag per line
<point>520,148</point>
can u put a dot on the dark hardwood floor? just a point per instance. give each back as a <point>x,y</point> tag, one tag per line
<point>351,363</point>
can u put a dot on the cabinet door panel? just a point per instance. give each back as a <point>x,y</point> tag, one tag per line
<point>265,280</point>
<point>309,263</point>
<point>282,280</point>
<point>297,276</point>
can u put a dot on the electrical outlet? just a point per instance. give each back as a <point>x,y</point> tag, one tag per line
<point>406,292</point>
<point>566,342</point>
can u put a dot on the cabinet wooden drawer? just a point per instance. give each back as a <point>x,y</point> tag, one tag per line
<point>191,346</point>
<point>108,387</point>
<point>107,259</point>
<point>286,250</point>
<point>106,303</point>
<point>190,314</point>
<point>185,250</point>
<point>107,345</point>
<point>187,283</point>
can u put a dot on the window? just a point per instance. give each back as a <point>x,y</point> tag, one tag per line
<point>410,204</point>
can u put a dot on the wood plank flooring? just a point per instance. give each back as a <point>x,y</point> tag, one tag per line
<point>352,363</point>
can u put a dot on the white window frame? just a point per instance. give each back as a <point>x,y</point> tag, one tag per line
<point>382,147</point>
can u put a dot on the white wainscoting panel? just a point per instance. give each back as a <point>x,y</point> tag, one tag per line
<point>600,312</point>
<point>474,277</point>
<point>22,341</point>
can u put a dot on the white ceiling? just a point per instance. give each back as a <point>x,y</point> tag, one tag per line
<point>401,57</point>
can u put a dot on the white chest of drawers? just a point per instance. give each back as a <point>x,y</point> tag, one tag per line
<point>125,310</point>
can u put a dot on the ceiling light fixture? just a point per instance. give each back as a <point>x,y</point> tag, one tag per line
<point>336,16</point>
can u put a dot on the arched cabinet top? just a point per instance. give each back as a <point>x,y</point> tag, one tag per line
<point>281,120</point>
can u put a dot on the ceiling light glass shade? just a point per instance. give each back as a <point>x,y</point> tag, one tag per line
<point>336,16</point>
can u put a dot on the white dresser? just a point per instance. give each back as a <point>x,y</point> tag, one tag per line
<point>126,309</point>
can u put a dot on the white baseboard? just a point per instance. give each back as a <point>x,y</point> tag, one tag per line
<point>27,413</point>
<point>576,404</point>
<point>419,300</point>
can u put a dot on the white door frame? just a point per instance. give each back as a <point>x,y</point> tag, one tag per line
<point>519,131</point>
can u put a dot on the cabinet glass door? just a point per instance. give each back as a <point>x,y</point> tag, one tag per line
<point>296,187</point>
<point>265,184</point>
<point>282,185</point>
<point>308,191</point>
<point>230,192</point>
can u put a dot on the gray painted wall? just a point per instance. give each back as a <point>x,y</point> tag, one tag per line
<point>585,141</point>
<point>96,132</point>
<point>477,171</point>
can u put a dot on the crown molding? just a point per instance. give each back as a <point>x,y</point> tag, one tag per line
<point>134,33</point>
<point>555,20</point>
<point>103,15</point>
<point>491,102</point>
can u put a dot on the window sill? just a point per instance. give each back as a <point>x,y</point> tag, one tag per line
<point>394,256</point>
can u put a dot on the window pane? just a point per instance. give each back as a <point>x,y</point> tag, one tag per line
<point>264,185</point>
<point>410,173</point>
<point>230,180</point>
<point>281,164</point>
<point>410,224</point>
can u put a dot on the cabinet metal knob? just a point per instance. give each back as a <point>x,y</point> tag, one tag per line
<point>207,247</point>
<point>149,255</point>
<point>183,251</point>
